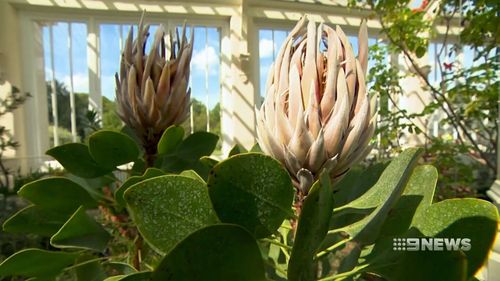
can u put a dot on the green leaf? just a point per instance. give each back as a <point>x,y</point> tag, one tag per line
<point>420,51</point>
<point>167,209</point>
<point>208,161</point>
<point>148,174</point>
<point>382,196</point>
<point>121,268</point>
<point>237,149</point>
<point>76,159</point>
<point>356,182</point>
<point>216,253</point>
<point>416,198</point>
<point>251,190</point>
<point>36,220</point>
<point>91,270</point>
<point>93,185</point>
<point>188,153</point>
<point>137,276</point>
<point>452,219</point>
<point>192,174</point>
<point>170,140</point>
<point>311,229</point>
<point>57,194</point>
<point>110,149</point>
<point>81,231</point>
<point>429,266</point>
<point>462,218</point>
<point>36,263</point>
<point>197,145</point>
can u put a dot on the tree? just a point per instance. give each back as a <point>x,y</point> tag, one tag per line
<point>467,96</point>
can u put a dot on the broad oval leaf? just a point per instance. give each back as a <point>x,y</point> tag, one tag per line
<point>167,209</point>
<point>36,220</point>
<point>252,190</point>
<point>148,174</point>
<point>170,140</point>
<point>81,231</point>
<point>57,194</point>
<point>462,218</point>
<point>36,263</point>
<point>216,253</point>
<point>76,159</point>
<point>110,149</point>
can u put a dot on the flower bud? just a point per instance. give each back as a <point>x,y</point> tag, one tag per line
<point>317,114</point>
<point>152,91</point>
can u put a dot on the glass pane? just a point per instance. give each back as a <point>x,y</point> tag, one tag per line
<point>66,72</point>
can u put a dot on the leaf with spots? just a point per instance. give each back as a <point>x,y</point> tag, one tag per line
<point>220,252</point>
<point>149,173</point>
<point>251,190</point>
<point>168,208</point>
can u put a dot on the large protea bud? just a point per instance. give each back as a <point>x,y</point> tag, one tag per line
<point>152,91</point>
<point>317,113</point>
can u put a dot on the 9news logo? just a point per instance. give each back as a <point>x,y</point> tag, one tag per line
<point>431,244</point>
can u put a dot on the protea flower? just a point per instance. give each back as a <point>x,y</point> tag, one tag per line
<point>317,113</point>
<point>152,91</point>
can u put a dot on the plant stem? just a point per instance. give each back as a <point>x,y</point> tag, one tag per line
<point>277,268</point>
<point>277,243</point>
<point>343,275</point>
<point>333,247</point>
<point>138,250</point>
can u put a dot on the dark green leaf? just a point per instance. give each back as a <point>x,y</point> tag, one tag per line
<point>382,196</point>
<point>137,276</point>
<point>208,161</point>
<point>57,194</point>
<point>36,220</point>
<point>237,149</point>
<point>311,229</point>
<point>192,174</point>
<point>167,209</point>
<point>81,231</point>
<point>148,174</point>
<point>356,182</point>
<point>93,185</point>
<point>170,140</point>
<point>416,198</point>
<point>420,51</point>
<point>215,253</point>
<point>110,149</point>
<point>462,218</point>
<point>90,271</point>
<point>76,159</point>
<point>251,190</point>
<point>36,262</point>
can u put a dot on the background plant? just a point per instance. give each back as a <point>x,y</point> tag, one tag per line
<point>467,97</point>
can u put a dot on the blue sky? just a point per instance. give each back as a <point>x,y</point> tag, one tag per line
<point>205,55</point>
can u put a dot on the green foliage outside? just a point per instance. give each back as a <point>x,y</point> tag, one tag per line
<point>87,122</point>
<point>465,151</point>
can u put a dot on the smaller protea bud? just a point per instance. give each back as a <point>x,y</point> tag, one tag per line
<point>317,115</point>
<point>152,91</point>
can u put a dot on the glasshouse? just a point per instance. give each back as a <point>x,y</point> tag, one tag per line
<point>249,140</point>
